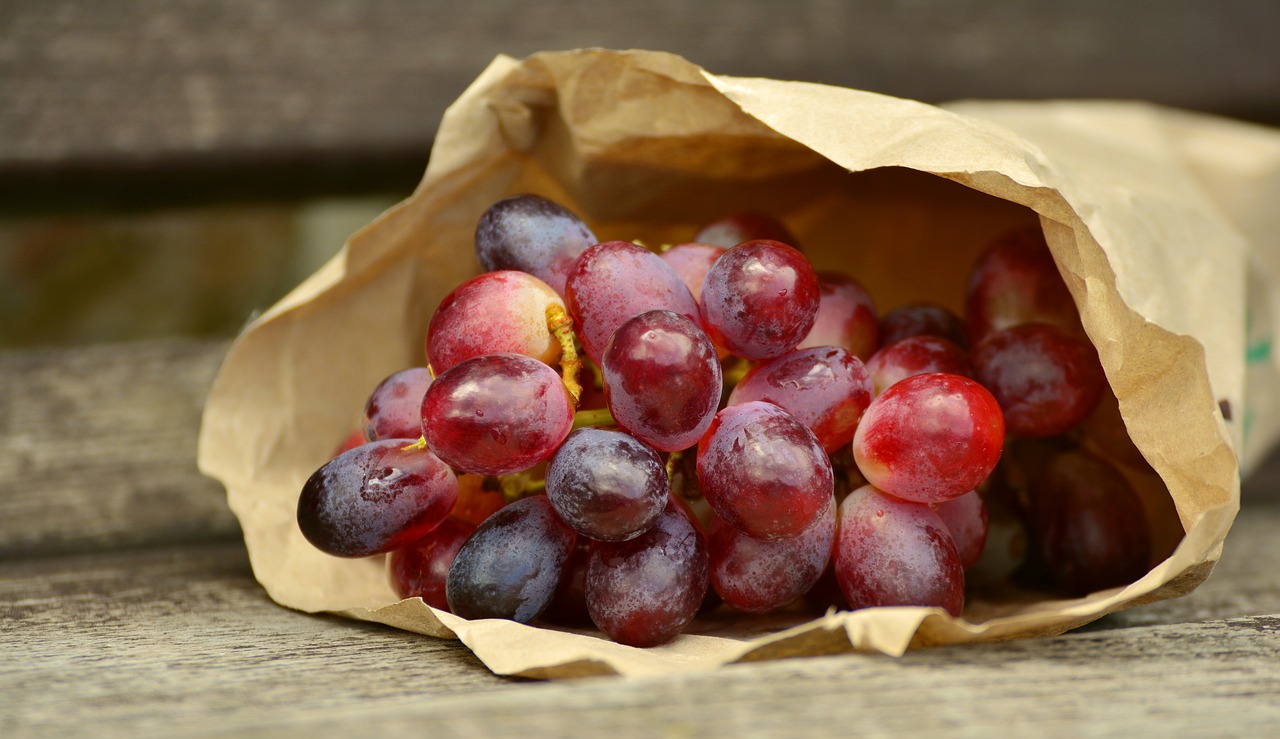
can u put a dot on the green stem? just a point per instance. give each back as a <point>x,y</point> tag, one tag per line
<point>593,417</point>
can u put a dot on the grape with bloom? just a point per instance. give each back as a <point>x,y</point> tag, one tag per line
<point>624,437</point>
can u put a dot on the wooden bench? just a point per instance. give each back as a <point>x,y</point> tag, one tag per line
<point>127,606</point>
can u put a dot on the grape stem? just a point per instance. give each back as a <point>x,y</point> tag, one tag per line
<point>593,417</point>
<point>561,326</point>
<point>420,444</point>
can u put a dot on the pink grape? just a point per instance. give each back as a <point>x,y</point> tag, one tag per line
<point>394,408</point>
<point>691,261</point>
<point>747,225</point>
<point>826,388</point>
<point>759,299</point>
<point>930,438</point>
<point>662,379</point>
<point>916,355</point>
<point>966,519</point>
<point>375,498</point>
<point>531,234</point>
<point>1017,281</point>
<point>606,484</point>
<point>644,591</point>
<point>1090,524</point>
<point>496,414</point>
<point>511,565</point>
<point>846,317</point>
<point>892,552</point>
<point>420,569</point>
<point>763,471</point>
<point>758,576</point>
<point>1045,379</point>
<point>493,313</point>
<point>616,280</point>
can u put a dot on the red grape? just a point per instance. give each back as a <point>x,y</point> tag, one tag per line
<point>846,316</point>
<point>375,498</point>
<point>922,319</point>
<point>916,355</point>
<point>930,438</point>
<point>763,471</point>
<point>511,565</point>
<point>1045,379</point>
<point>760,576</point>
<point>966,519</point>
<point>892,552</point>
<point>691,261</point>
<point>353,440</point>
<point>1017,281</point>
<point>531,234</point>
<point>826,388</point>
<point>759,299</point>
<point>606,484</point>
<point>493,313</point>
<point>644,591</point>
<point>496,414</point>
<point>1089,523</point>
<point>419,570</point>
<point>662,379</point>
<point>747,225</point>
<point>394,408</point>
<point>616,280</point>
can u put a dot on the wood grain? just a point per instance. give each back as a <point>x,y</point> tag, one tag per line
<point>99,448</point>
<point>181,640</point>
<point>140,81</point>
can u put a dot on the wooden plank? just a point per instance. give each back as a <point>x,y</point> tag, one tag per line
<point>173,641</point>
<point>203,80</point>
<point>99,448</point>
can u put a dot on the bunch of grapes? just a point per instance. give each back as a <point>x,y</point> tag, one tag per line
<point>612,435</point>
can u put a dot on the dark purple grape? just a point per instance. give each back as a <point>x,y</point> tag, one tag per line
<point>606,484</point>
<point>394,408</point>
<point>531,234</point>
<point>497,414</point>
<point>662,379</point>
<point>420,569</point>
<point>759,299</point>
<point>922,319</point>
<point>511,565</point>
<point>763,471</point>
<point>644,591</point>
<point>1090,524</point>
<point>827,388</point>
<point>891,552</point>
<point>616,280</point>
<point>760,576</point>
<point>568,607</point>
<point>375,498</point>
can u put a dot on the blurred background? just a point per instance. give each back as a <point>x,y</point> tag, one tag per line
<point>170,167</point>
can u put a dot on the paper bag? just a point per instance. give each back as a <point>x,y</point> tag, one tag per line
<point>1149,225</point>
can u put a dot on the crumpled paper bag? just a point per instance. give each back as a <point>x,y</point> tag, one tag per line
<point>1162,224</point>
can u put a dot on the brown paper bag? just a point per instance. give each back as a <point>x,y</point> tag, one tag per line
<point>1148,225</point>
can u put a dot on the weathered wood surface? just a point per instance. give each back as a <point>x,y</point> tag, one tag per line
<point>182,640</point>
<point>98,445</point>
<point>349,93</point>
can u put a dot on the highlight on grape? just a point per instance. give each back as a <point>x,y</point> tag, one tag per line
<point>611,435</point>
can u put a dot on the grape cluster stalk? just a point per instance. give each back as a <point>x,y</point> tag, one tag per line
<point>608,435</point>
